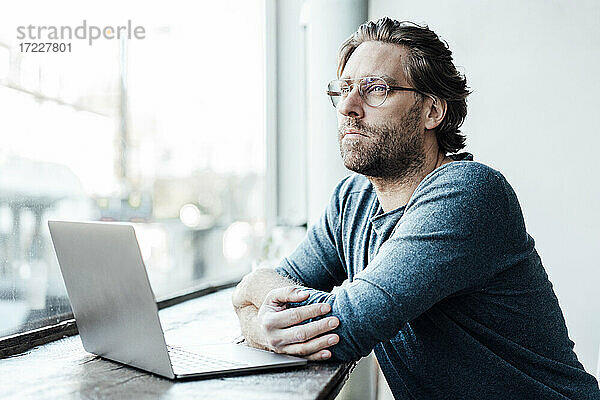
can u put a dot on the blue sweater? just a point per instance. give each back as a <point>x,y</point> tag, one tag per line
<point>448,290</point>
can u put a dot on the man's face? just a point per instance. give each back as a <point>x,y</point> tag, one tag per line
<point>385,141</point>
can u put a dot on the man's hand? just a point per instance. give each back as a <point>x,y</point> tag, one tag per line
<point>267,293</point>
<point>279,326</point>
<point>255,286</point>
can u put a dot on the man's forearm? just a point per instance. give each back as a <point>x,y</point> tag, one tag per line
<point>253,289</point>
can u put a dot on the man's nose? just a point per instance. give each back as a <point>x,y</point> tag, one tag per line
<point>353,105</point>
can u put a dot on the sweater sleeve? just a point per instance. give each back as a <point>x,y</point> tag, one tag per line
<point>459,229</point>
<point>317,261</point>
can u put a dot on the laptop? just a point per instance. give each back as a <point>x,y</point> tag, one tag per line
<point>117,315</point>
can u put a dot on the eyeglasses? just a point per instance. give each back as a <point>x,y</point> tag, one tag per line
<point>372,89</point>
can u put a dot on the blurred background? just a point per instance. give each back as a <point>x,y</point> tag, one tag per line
<point>214,137</point>
<point>166,132</point>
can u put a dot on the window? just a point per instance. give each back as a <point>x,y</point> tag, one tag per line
<point>165,132</point>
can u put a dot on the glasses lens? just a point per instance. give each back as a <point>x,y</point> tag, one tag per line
<point>374,91</point>
<point>337,91</point>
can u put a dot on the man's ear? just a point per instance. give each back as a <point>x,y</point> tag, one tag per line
<point>435,113</point>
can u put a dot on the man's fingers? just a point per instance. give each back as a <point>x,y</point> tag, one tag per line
<point>312,347</point>
<point>296,315</point>
<point>320,356</point>
<point>288,294</point>
<point>302,333</point>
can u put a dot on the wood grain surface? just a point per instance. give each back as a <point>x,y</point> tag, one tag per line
<point>63,370</point>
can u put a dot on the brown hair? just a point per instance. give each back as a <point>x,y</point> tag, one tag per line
<point>428,68</point>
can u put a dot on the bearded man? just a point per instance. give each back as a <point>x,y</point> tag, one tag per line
<point>443,280</point>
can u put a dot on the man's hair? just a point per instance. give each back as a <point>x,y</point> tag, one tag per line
<point>428,68</point>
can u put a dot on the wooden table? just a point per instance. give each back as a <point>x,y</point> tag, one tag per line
<point>63,370</point>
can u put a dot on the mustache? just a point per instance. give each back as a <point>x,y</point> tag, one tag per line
<point>356,126</point>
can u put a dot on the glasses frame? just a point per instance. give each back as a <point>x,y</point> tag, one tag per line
<point>353,83</point>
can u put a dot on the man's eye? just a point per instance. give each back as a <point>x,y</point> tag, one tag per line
<point>377,89</point>
<point>345,89</point>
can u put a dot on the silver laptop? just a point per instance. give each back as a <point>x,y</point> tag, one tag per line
<point>116,311</point>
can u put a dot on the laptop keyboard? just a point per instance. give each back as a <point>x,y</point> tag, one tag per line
<point>183,360</point>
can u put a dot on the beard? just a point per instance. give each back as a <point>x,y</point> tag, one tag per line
<point>389,150</point>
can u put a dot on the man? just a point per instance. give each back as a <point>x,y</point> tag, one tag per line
<point>444,283</point>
